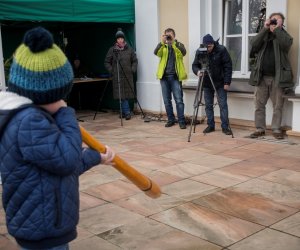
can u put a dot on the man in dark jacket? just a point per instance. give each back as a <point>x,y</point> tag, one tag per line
<point>41,154</point>
<point>219,65</point>
<point>271,73</point>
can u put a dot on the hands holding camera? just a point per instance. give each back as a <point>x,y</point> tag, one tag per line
<point>274,22</point>
<point>167,38</point>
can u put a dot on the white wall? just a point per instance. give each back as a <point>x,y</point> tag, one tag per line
<point>147,37</point>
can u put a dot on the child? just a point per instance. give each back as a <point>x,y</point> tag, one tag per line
<point>41,154</point>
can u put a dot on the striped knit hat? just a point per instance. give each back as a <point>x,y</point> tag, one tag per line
<point>40,71</point>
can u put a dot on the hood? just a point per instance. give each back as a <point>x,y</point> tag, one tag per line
<point>10,103</point>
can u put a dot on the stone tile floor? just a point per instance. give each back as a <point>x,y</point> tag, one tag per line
<point>218,192</point>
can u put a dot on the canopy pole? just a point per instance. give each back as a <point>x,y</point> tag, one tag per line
<point>2,74</point>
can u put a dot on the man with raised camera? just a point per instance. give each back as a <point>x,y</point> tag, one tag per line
<point>213,59</point>
<point>271,73</point>
<point>171,72</point>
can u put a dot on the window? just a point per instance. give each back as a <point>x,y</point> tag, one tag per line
<point>243,19</point>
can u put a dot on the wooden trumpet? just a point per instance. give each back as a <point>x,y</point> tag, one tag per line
<point>142,182</point>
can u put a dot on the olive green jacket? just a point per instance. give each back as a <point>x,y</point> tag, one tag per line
<point>282,44</point>
<point>161,51</point>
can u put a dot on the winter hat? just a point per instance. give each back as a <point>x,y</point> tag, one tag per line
<point>120,34</point>
<point>40,71</point>
<point>208,39</point>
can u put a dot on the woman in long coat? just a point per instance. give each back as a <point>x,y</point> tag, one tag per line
<point>122,73</point>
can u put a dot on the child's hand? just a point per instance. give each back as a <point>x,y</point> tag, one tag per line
<point>52,108</point>
<point>108,156</point>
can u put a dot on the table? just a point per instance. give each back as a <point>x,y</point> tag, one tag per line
<point>81,81</point>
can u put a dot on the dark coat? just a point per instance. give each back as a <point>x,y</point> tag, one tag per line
<point>41,158</point>
<point>220,66</point>
<point>282,44</point>
<point>127,67</point>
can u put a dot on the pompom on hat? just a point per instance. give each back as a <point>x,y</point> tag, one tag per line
<point>120,34</point>
<point>40,71</point>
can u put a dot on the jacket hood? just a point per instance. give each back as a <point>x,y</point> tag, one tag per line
<point>10,101</point>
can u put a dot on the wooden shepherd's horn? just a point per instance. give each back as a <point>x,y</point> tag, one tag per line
<point>142,182</point>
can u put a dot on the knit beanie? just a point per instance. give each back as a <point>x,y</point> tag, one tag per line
<point>208,39</point>
<point>40,71</point>
<point>120,34</point>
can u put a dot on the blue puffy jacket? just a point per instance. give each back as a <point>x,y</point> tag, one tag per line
<point>41,158</point>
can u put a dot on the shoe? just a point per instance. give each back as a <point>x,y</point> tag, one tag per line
<point>127,117</point>
<point>226,131</point>
<point>169,124</point>
<point>182,125</point>
<point>278,135</point>
<point>257,134</point>
<point>208,130</point>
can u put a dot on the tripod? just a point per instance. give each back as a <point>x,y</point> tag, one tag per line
<point>119,67</point>
<point>198,101</point>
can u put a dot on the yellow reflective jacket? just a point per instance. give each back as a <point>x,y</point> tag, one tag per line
<point>162,51</point>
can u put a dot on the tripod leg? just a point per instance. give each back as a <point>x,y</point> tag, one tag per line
<point>100,100</point>
<point>197,103</point>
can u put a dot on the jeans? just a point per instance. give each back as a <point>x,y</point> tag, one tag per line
<point>209,106</point>
<point>61,247</point>
<point>125,107</point>
<point>171,85</point>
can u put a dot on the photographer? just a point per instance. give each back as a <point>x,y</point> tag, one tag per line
<point>271,73</point>
<point>219,65</point>
<point>171,72</point>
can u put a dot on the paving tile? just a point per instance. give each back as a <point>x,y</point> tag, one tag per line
<point>88,201</point>
<point>246,206</point>
<point>289,225</point>
<point>220,178</point>
<point>188,189</point>
<point>162,178</point>
<point>184,154</point>
<point>7,244</point>
<point>268,239</point>
<point>159,237</point>
<point>263,146</point>
<point>106,217</point>
<point>112,191</point>
<point>273,191</point>
<point>186,169</point>
<point>242,154</point>
<point>214,161</point>
<point>283,176</point>
<point>156,163</point>
<point>91,179</point>
<point>276,160</point>
<point>93,243</point>
<point>144,205</point>
<point>216,227</point>
<point>250,168</point>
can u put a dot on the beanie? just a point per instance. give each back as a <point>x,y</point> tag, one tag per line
<point>120,34</point>
<point>208,39</point>
<point>40,71</point>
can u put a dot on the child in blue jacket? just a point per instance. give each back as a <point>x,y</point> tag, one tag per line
<point>41,154</point>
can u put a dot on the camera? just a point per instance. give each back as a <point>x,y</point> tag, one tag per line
<point>203,55</point>
<point>168,37</point>
<point>273,22</point>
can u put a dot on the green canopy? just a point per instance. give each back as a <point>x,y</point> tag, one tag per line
<point>113,11</point>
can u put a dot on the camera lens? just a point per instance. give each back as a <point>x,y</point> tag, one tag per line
<point>273,22</point>
<point>168,37</point>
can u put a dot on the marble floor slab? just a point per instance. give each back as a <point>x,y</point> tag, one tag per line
<point>216,227</point>
<point>246,206</point>
<point>268,239</point>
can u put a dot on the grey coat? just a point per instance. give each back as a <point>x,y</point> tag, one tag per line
<point>127,67</point>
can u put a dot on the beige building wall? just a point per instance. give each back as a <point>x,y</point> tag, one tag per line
<point>174,14</point>
<point>293,21</point>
